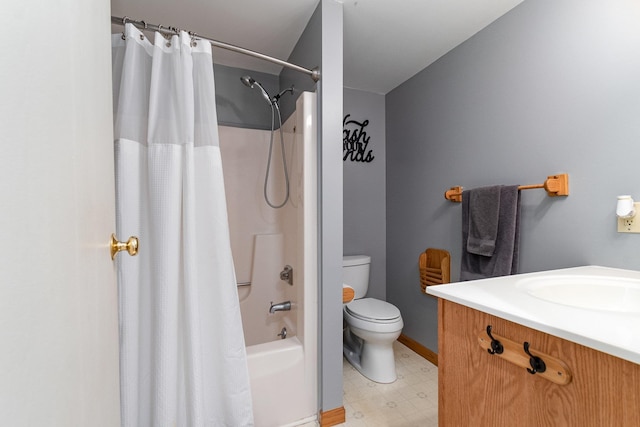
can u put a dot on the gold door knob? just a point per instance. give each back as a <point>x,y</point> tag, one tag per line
<point>130,246</point>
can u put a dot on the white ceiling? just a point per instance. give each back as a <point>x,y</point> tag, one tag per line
<point>385,42</point>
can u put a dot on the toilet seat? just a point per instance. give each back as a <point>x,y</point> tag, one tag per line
<point>373,310</point>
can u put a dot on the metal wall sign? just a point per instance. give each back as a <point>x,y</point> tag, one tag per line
<point>355,141</point>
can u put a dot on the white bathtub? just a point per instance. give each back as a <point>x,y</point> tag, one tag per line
<point>276,368</point>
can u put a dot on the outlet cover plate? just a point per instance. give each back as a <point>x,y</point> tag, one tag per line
<point>630,225</point>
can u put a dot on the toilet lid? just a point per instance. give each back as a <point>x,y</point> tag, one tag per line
<point>373,309</point>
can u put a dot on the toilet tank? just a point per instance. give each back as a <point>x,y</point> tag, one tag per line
<point>355,273</point>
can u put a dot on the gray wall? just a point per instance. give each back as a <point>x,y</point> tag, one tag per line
<point>330,167</point>
<point>307,54</point>
<point>321,44</point>
<point>236,104</point>
<point>551,87</point>
<point>364,190</point>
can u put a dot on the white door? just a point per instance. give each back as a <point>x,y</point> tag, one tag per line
<point>58,296</point>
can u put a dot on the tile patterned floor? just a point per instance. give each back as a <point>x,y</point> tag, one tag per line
<point>411,401</point>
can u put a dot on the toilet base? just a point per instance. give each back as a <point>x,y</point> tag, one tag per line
<point>374,360</point>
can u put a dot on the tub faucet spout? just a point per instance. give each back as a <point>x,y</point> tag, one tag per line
<point>283,306</point>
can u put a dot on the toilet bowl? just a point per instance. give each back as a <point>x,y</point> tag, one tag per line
<point>371,328</point>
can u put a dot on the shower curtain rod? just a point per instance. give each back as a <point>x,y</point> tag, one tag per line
<point>314,73</point>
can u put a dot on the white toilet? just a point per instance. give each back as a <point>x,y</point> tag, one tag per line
<point>372,325</point>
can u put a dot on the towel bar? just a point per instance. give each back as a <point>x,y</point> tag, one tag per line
<point>554,185</point>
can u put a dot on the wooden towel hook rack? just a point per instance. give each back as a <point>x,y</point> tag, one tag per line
<point>555,370</point>
<point>554,185</point>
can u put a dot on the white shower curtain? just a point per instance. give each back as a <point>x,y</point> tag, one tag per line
<point>182,352</point>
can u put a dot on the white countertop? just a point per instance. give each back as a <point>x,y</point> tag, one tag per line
<point>612,332</point>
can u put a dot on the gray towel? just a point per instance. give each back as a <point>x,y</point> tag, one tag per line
<point>484,209</point>
<point>504,260</point>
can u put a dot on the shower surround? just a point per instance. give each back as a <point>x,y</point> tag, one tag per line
<point>264,240</point>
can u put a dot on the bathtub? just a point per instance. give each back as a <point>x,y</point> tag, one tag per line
<point>277,368</point>
<point>279,381</point>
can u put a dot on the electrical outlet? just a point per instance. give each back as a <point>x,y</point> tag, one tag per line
<point>630,225</point>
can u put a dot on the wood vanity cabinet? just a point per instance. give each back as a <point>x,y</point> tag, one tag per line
<point>480,389</point>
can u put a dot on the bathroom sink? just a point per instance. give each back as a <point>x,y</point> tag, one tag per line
<point>601,293</point>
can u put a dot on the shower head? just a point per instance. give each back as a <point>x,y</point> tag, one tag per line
<point>247,81</point>
<point>251,83</point>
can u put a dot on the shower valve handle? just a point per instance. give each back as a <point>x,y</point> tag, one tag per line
<point>287,274</point>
